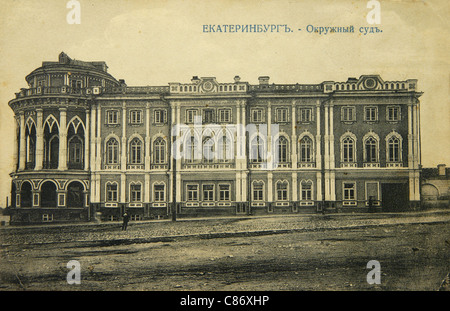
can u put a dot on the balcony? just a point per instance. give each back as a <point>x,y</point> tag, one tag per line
<point>306,165</point>
<point>212,165</point>
<point>53,90</point>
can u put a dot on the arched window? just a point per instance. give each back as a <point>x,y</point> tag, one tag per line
<point>225,149</point>
<point>306,193</point>
<point>75,194</point>
<point>393,149</point>
<point>306,154</point>
<point>282,191</point>
<point>371,150</point>
<point>112,192</point>
<point>282,148</point>
<point>136,151</point>
<point>208,150</point>
<point>112,151</point>
<point>75,152</point>
<point>348,149</point>
<point>190,151</point>
<point>258,191</point>
<point>26,194</point>
<point>159,151</point>
<point>159,192</point>
<point>257,150</point>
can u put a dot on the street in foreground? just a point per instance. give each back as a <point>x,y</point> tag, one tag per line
<point>319,253</point>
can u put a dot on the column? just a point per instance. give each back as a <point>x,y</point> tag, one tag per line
<point>98,156</point>
<point>123,188</point>
<point>147,188</point>
<point>93,141</point>
<point>293,137</point>
<point>86,140</point>
<point>178,161</point>
<point>327,157</point>
<point>243,168</point>
<point>332,162</point>
<point>123,159</point>
<point>318,138</point>
<point>39,141</point>
<point>410,138</point>
<point>22,143</point>
<point>294,187</point>
<point>238,152</point>
<point>62,161</point>
<point>15,146</point>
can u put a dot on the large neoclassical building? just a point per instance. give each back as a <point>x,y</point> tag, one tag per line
<point>89,147</point>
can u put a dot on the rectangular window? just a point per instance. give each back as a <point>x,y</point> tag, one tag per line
<point>192,192</point>
<point>208,192</point>
<point>135,116</point>
<point>135,193</point>
<point>112,117</point>
<point>225,115</point>
<point>349,191</point>
<point>348,114</point>
<point>306,115</point>
<point>190,116</point>
<point>111,193</point>
<point>208,116</point>
<point>224,192</point>
<point>159,193</point>
<point>160,116</point>
<point>282,114</point>
<point>370,113</point>
<point>393,113</point>
<point>306,192</point>
<point>256,115</point>
<point>258,192</point>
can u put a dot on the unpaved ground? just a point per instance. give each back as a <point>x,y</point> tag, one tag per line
<point>413,256</point>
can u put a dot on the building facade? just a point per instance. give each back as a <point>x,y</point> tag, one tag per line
<point>88,146</point>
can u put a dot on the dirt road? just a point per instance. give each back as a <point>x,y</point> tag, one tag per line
<point>413,255</point>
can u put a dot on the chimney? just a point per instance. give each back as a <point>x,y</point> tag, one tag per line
<point>237,79</point>
<point>441,169</point>
<point>195,79</point>
<point>264,80</point>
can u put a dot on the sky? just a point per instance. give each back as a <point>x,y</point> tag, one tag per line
<point>156,42</point>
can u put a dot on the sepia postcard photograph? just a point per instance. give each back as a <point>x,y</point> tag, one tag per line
<point>219,154</point>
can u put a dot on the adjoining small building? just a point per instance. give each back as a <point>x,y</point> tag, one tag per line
<point>436,187</point>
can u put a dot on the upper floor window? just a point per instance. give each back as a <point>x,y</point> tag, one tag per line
<point>281,114</point>
<point>256,115</point>
<point>348,114</point>
<point>348,149</point>
<point>112,117</point>
<point>159,151</point>
<point>112,151</point>
<point>76,84</point>
<point>190,115</point>
<point>208,116</point>
<point>305,115</point>
<point>393,149</point>
<point>371,150</point>
<point>136,116</point>
<point>257,149</point>
<point>282,146</point>
<point>370,114</point>
<point>160,116</point>
<point>393,113</point>
<point>306,145</point>
<point>225,115</point>
<point>136,151</point>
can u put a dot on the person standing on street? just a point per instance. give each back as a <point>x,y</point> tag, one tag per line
<point>126,219</point>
